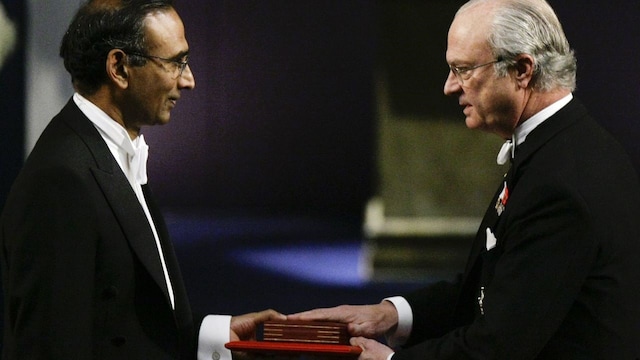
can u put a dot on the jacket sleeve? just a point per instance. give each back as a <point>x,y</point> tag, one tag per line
<point>433,310</point>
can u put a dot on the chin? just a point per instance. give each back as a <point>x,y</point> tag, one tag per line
<point>472,123</point>
<point>162,120</point>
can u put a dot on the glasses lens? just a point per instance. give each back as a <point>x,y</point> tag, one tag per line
<point>461,74</point>
<point>179,67</point>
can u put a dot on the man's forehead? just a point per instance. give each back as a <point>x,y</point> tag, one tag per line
<point>467,39</point>
<point>164,30</point>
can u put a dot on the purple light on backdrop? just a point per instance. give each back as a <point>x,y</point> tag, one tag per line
<point>338,265</point>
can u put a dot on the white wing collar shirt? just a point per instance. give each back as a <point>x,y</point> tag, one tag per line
<point>405,316</point>
<point>520,134</point>
<point>132,156</point>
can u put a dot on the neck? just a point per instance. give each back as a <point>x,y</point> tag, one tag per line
<point>104,101</point>
<point>539,100</point>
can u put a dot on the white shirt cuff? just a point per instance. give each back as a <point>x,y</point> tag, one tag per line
<point>214,333</point>
<point>405,322</point>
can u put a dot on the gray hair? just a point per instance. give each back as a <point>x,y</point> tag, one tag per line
<point>531,27</point>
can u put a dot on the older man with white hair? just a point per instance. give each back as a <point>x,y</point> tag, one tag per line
<point>553,271</point>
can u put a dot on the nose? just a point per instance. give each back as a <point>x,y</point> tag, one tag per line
<point>451,84</point>
<point>187,80</point>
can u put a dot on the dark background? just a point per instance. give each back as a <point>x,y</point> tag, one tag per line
<point>282,118</point>
<point>281,127</point>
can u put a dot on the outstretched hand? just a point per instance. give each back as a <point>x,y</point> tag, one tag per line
<point>371,321</point>
<point>243,327</point>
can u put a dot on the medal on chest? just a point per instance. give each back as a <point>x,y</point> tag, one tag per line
<point>481,300</point>
<point>502,199</point>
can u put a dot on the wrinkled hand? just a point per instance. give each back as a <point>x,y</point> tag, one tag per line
<point>371,321</point>
<point>371,349</point>
<point>243,327</point>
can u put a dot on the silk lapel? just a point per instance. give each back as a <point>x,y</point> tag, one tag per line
<point>119,194</point>
<point>488,221</point>
<point>135,226</point>
<point>182,306</point>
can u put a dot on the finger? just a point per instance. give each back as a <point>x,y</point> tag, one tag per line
<point>326,314</point>
<point>358,341</point>
<point>258,317</point>
<point>270,314</point>
<point>306,315</point>
<point>356,329</point>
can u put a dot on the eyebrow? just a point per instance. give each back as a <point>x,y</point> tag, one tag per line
<point>181,55</point>
<point>459,62</point>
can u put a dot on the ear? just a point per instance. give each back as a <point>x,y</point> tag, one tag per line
<point>117,68</point>
<point>524,70</point>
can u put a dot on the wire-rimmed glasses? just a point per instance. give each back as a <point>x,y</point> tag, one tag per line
<point>178,65</point>
<point>464,73</point>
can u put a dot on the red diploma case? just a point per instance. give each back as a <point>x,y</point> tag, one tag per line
<point>294,338</point>
<point>293,348</point>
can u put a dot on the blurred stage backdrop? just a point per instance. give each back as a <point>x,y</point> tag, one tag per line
<point>317,162</point>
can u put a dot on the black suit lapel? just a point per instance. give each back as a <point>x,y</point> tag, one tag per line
<point>119,194</point>
<point>465,310</point>
<point>536,139</point>
<point>135,225</point>
<point>489,220</point>
<point>183,310</point>
<point>565,117</point>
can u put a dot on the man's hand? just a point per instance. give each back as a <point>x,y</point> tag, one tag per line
<point>371,321</point>
<point>371,349</point>
<point>243,327</point>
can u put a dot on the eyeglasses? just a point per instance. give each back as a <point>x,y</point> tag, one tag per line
<point>178,65</point>
<point>464,73</point>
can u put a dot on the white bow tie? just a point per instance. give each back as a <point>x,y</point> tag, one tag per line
<point>138,162</point>
<point>506,152</point>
